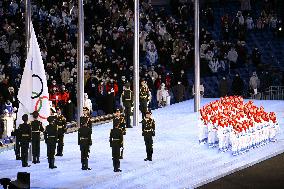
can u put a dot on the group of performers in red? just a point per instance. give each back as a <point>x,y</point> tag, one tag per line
<point>232,124</point>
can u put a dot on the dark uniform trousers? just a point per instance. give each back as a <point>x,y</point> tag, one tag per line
<point>127,99</point>
<point>61,126</point>
<point>50,136</point>
<point>116,142</point>
<point>148,139</point>
<point>24,137</point>
<point>36,129</point>
<point>144,97</point>
<point>148,131</point>
<point>127,112</point>
<point>51,146</point>
<point>85,141</point>
<point>17,147</point>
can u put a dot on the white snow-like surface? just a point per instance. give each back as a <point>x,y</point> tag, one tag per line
<point>178,160</point>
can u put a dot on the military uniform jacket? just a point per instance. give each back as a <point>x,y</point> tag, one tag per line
<point>51,133</point>
<point>86,120</point>
<point>148,127</point>
<point>116,138</point>
<point>144,93</point>
<point>24,132</point>
<point>121,122</point>
<point>84,136</point>
<point>61,124</point>
<point>127,98</point>
<point>37,127</point>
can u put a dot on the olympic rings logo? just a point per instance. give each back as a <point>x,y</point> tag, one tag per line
<point>38,106</point>
<point>35,95</point>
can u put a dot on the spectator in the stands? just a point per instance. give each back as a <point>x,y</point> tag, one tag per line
<point>163,96</point>
<point>254,83</point>
<point>179,92</point>
<point>256,56</point>
<point>232,57</point>
<point>238,86</point>
<point>223,87</point>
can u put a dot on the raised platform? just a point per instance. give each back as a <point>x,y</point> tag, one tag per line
<point>178,160</point>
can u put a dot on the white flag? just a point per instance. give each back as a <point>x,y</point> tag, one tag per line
<point>33,93</point>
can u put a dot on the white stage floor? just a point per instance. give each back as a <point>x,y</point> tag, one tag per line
<point>178,160</point>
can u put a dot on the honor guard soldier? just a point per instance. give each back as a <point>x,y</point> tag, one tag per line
<point>17,146</point>
<point>116,143</point>
<point>144,96</point>
<point>37,128</point>
<point>50,137</point>
<point>120,121</point>
<point>85,141</point>
<point>148,131</point>
<point>127,100</point>
<point>87,116</point>
<point>61,127</point>
<point>24,137</point>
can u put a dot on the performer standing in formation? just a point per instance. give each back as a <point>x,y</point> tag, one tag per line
<point>50,136</point>
<point>148,131</point>
<point>85,141</point>
<point>61,126</point>
<point>24,137</point>
<point>127,100</point>
<point>116,143</point>
<point>120,121</point>
<point>144,95</point>
<point>37,128</point>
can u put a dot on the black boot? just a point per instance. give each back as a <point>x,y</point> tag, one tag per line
<point>118,166</point>
<point>34,160</point>
<point>49,163</point>
<point>59,150</point>
<point>37,159</point>
<point>52,164</point>
<point>87,165</point>
<point>84,164</point>
<point>25,162</point>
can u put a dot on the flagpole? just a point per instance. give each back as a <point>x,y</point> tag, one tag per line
<point>197,60</point>
<point>80,63</point>
<point>136,65</point>
<point>27,25</point>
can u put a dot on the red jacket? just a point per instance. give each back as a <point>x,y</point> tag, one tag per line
<point>109,86</point>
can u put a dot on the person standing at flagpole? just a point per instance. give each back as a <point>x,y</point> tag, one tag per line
<point>37,128</point>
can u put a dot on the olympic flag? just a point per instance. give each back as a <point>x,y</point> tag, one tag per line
<point>33,93</point>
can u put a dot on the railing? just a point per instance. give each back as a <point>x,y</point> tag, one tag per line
<point>273,93</point>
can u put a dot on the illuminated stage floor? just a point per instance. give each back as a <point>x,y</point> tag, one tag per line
<point>178,160</point>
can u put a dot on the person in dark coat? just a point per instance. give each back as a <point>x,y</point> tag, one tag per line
<point>69,111</point>
<point>24,137</point>
<point>61,127</point>
<point>223,87</point>
<point>37,128</point>
<point>50,137</point>
<point>127,100</point>
<point>119,120</point>
<point>144,96</point>
<point>237,86</point>
<point>148,131</point>
<point>85,141</point>
<point>116,143</point>
<point>17,146</point>
<point>179,92</point>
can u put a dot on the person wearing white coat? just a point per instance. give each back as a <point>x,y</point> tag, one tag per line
<point>88,103</point>
<point>163,96</point>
